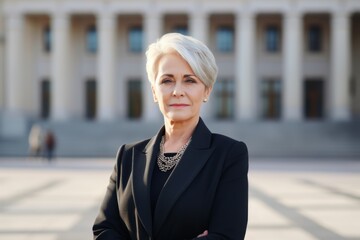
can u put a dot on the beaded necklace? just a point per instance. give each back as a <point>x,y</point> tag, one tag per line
<point>166,163</point>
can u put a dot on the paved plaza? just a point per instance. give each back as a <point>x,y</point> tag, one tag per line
<point>297,199</point>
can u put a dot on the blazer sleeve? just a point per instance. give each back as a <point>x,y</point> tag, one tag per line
<point>230,209</point>
<point>108,224</point>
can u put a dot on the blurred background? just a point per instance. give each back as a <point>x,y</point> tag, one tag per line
<point>288,84</point>
<point>73,80</point>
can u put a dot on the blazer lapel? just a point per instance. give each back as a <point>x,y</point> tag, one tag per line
<point>142,173</point>
<point>193,160</point>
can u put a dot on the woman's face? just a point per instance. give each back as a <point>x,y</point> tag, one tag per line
<point>177,90</point>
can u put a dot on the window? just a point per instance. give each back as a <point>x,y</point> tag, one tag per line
<point>90,99</point>
<point>352,90</point>
<point>45,90</point>
<point>225,39</point>
<point>224,99</point>
<point>271,99</point>
<point>314,38</point>
<point>134,99</point>
<point>135,39</point>
<point>181,29</point>
<point>47,39</point>
<point>91,39</point>
<point>272,36</point>
<point>314,98</point>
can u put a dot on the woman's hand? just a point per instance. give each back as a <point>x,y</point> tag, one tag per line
<point>205,233</point>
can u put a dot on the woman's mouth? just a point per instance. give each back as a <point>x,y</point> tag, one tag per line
<point>179,105</point>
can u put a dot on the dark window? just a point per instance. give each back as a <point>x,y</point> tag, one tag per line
<point>271,99</point>
<point>181,29</point>
<point>224,94</point>
<point>90,99</point>
<point>352,87</point>
<point>134,99</point>
<point>135,39</point>
<point>47,39</point>
<point>272,39</point>
<point>45,99</point>
<point>91,39</point>
<point>315,38</point>
<point>314,98</point>
<point>225,39</point>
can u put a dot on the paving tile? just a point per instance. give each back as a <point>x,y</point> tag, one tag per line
<point>13,186</point>
<point>345,222</point>
<point>45,204</point>
<point>278,234</point>
<point>302,200</point>
<point>262,215</point>
<point>324,200</point>
<point>37,222</point>
<point>28,236</point>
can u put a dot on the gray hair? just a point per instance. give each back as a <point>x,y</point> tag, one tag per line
<point>194,52</point>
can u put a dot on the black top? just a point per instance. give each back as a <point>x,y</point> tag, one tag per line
<point>158,181</point>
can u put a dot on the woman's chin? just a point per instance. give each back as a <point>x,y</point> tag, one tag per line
<point>179,117</point>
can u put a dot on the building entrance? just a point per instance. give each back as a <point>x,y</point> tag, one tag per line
<point>90,99</point>
<point>45,99</point>
<point>314,98</point>
<point>224,94</point>
<point>271,99</point>
<point>134,99</point>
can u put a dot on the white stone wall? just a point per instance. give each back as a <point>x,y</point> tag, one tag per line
<point>2,58</point>
<point>69,65</point>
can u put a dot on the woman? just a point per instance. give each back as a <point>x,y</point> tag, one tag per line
<point>35,140</point>
<point>185,182</point>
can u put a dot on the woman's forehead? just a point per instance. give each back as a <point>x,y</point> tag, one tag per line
<point>173,63</point>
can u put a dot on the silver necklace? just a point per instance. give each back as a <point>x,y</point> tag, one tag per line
<point>167,163</point>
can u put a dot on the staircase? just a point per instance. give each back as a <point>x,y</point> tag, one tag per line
<point>264,139</point>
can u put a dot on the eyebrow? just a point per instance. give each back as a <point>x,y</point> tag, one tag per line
<point>172,75</point>
<point>189,75</point>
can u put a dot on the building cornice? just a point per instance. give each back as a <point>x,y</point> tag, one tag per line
<point>179,6</point>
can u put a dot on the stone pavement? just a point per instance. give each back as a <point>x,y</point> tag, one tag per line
<point>297,199</point>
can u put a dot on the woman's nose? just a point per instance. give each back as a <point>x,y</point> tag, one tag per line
<point>178,91</point>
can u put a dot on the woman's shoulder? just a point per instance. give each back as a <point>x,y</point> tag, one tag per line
<point>137,144</point>
<point>124,152</point>
<point>217,137</point>
<point>228,142</point>
<point>234,152</point>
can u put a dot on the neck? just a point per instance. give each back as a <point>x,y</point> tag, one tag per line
<point>178,133</point>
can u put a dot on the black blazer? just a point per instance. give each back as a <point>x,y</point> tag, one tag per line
<point>207,190</point>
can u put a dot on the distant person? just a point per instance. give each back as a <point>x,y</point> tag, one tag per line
<point>35,141</point>
<point>50,144</point>
<point>185,182</point>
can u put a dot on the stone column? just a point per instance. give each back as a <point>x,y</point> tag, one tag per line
<point>199,29</point>
<point>340,67</point>
<point>292,101</point>
<point>199,26</point>
<point>14,65</point>
<point>152,31</point>
<point>2,61</point>
<point>244,66</point>
<point>61,88</point>
<point>106,104</point>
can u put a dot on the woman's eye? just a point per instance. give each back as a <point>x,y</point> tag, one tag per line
<point>166,80</point>
<point>190,80</point>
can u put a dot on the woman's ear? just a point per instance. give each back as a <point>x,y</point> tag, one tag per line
<point>208,91</point>
<point>154,93</point>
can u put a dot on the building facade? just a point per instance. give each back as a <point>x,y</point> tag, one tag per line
<point>286,60</point>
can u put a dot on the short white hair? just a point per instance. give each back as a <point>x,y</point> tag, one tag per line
<point>193,51</point>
